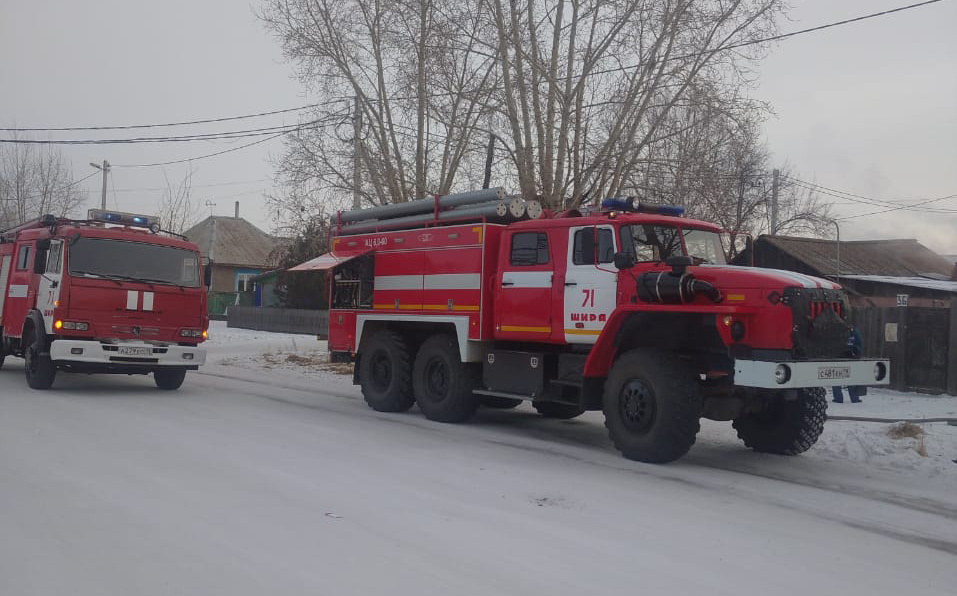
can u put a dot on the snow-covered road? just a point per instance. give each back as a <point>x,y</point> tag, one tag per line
<point>264,480</point>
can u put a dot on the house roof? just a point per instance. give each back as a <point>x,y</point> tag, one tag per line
<point>911,282</point>
<point>233,241</point>
<point>896,258</point>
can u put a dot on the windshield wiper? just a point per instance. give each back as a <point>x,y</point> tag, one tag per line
<point>163,281</point>
<point>95,276</point>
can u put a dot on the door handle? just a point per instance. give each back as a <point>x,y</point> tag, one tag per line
<point>508,283</point>
<point>571,283</point>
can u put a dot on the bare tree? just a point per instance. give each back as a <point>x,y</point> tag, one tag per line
<point>177,211</point>
<point>582,99</point>
<point>35,181</point>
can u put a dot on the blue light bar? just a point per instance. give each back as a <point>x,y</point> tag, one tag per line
<point>127,219</point>
<point>631,204</point>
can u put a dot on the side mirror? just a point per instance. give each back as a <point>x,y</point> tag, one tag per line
<point>624,260</point>
<point>588,245</point>
<point>208,274</point>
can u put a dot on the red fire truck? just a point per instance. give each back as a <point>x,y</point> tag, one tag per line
<point>631,310</point>
<point>105,295</point>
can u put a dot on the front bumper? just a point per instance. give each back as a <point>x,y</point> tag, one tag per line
<point>134,354</point>
<point>810,373</point>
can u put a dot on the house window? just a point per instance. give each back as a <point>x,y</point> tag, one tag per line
<point>23,258</point>
<point>529,249</point>
<point>244,282</point>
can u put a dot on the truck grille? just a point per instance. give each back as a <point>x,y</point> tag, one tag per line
<point>819,327</point>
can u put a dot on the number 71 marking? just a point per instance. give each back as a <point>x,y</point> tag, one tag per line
<point>589,297</point>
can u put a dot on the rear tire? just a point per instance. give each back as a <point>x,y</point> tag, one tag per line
<point>169,379</point>
<point>385,373</point>
<point>550,409</point>
<point>443,384</point>
<point>39,369</point>
<point>652,406</point>
<point>501,403</point>
<point>785,427</point>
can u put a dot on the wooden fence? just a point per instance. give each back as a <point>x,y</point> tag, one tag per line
<point>280,320</point>
<point>920,342</point>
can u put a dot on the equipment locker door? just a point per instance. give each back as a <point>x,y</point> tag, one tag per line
<point>523,296</point>
<point>20,294</point>
<point>591,284</point>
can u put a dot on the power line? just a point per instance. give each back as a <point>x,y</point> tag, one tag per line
<point>169,163</point>
<point>897,208</point>
<point>894,205</point>
<point>227,135</point>
<point>165,124</point>
<point>773,38</point>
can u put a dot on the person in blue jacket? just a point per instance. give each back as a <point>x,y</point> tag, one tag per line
<point>855,349</point>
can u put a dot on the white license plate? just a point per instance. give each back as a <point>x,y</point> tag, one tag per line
<point>833,372</point>
<point>134,351</point>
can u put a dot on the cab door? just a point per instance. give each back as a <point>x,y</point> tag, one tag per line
<point>591,282</point>
<point>523,304</point>
<point>48,288</point>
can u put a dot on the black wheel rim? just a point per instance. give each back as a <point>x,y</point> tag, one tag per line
<point>436,379</point>
<point>381,369</point>
<point>637,406</point>
<point>30,361</point>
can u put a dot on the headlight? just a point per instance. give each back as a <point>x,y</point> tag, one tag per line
<point>72,325</point>
<point>782,374</point>
<point>191,333</point>
<point>880,371</point>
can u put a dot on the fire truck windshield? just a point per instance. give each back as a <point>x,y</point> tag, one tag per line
<point>654,242</point>
<point>122,259</point>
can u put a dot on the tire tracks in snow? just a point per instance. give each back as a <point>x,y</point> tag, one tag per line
<point>516,430</point>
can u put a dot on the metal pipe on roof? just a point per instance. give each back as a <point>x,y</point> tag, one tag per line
<point>495,211</point>
<point>420,206</point>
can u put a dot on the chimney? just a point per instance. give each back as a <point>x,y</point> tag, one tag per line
<point>237,210</point>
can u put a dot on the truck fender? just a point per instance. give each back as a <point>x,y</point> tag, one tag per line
<point>603,353</point>
<point>36,318</point>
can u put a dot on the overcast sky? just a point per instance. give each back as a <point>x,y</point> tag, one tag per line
<point>869,108</point>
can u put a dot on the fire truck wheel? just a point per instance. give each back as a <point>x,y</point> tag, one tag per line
<point>550,409</point>
<point>40,370</point>
<point>785,427</point>
<point>169,379</point>
<point>385,373</point>
<point>652,406</point>
<point>443,383</point>
<point>500,403</point>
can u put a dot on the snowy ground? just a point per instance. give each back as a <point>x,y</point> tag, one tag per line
<point>264,476</point>
<point>867,444</point>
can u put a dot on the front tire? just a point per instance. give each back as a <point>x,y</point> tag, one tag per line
<point>443,384</point>
<point>169,379</point>
<point>39,368</point>
<point>785,427</point>
<point>652,406</point>
<point>385,373</point>
<point>557,411</point>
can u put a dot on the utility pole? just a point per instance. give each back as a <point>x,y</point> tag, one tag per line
<point>357,148</point>
<point>775,185</point>
<point>105,168</point>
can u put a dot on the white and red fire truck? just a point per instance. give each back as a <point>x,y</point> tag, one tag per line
<point>105,295</point>
<point>631,310</point>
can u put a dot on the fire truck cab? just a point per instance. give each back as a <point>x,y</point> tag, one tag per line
<point>631,310</point>
<point>105,295</point>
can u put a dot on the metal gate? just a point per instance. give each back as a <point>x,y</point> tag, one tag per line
<point>925,351</point>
